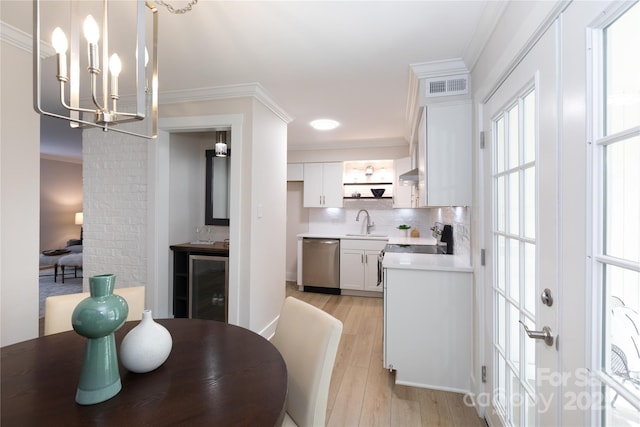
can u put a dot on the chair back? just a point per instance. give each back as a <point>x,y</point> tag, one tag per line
<point>58,309</point>
<point>308,339</point>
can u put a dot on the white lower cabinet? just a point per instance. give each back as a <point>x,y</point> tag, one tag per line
<point>427,328</point>
<point>359,264</point>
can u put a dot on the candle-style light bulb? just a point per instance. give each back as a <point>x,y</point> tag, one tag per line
<point>59,41</point>
<point>146,56</point>
<point>92,34</point>
<point>91,31</point>
<point>60,44</point>
<point>115,65</point>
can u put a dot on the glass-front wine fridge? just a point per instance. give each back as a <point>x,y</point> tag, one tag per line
<point>208,287</point>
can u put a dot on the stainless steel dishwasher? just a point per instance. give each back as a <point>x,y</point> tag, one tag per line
<point>321,265</point>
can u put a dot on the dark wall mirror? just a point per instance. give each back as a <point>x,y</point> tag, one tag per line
<point>217,184</point>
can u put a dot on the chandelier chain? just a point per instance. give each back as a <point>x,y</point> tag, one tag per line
<point>180,11</point>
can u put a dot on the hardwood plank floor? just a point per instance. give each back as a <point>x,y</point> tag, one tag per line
<point>362,392</point>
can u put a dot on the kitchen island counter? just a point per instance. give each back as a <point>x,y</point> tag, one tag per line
<point>411,261</point>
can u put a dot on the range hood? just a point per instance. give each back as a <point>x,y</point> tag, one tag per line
<point>411,176</point>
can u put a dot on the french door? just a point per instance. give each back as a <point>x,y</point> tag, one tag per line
<point>521,238</point>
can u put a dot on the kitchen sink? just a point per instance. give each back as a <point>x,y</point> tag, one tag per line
<point>367,235</point>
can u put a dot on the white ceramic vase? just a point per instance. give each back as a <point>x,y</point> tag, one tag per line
<point>145,347</point>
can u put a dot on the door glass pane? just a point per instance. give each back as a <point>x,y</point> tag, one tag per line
<point>622,85</point>
<point>501,195</point>
<point>501,268</point>
<point>514,203</point>
<point>501,304</point>
<point>499,144</point>
<point>515,264</point>
<point>514,141</point>
<point>529,197</point>
<point>514,269</point>
<point>622,199</point>
<point>514,336</point>
<point>529,128</point>
<point>617,256</point>
<point>530,277</point>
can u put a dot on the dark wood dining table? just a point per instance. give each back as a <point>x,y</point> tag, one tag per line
<point>217,374</point>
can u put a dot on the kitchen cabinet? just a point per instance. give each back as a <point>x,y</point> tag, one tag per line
<point>428,327</point>
<point>295,171</point>
<point>322,185</point>
<point>444,155</point>
<point>359,264</point>
<point>403,194</point>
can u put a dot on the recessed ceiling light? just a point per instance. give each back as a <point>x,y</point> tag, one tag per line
<point>324,124</point>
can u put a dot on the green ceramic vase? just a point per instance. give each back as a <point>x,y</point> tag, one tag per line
<point>97,318</point>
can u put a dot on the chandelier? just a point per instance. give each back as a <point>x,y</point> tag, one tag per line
<point>90,98</point>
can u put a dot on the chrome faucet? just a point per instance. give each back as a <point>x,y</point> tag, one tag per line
<point>369,224</point>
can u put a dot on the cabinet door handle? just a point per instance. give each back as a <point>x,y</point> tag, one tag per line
<point>320,202</point>
<point>361,258</point>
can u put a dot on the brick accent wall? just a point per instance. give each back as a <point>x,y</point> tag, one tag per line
<point>115,206</point>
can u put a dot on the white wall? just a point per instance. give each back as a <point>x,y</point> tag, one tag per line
<point>19,192</point>
<point>268,218</point>
<point>60,199</point>
<point>258,183</point>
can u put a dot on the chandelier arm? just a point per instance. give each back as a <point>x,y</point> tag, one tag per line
<point>68,107</point>
<point>93,92</point>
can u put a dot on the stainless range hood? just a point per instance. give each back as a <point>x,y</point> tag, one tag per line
<point>411,176</point>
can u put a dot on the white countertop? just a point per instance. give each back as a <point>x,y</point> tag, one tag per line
<point>410,261</point>
<point>372,236</point>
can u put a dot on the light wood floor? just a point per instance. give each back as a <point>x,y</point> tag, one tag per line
<point>362,392</point>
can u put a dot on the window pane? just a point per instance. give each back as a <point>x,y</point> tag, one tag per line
<point>500,325</point>
<point>514,336</point>
<point>529,198</point>
<point>622,199</point>
<point>514,141</point>
<point>500,148</point>
<point>529,128</point>
<point>514,269</point>
<point>514,203</point>
<point>622,71</point>
<point>501,267</point>
<point>530,277</point>
<point>623,327</point>
<point>501,192</point>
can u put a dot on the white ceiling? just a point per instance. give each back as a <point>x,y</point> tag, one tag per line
<point>349,61</point>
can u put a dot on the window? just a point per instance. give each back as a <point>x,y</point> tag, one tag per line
<point>617,218</point>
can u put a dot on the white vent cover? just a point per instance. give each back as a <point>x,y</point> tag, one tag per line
<point>447,86</point>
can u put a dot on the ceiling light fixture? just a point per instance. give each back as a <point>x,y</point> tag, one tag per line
<point>324,124</point>
<point>100,114</point>
<point>221,145</point>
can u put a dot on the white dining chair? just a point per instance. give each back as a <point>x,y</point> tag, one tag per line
<point>308,339</point>
<point>58,309</point>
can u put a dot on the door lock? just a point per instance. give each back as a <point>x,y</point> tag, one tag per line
<point>545,334</point>
<point>546,297</point>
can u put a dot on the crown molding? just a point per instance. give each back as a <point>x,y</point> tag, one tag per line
<point>23,40</point>
<point>445,67</point>
<point>349,144</point>
<point>247,90</point>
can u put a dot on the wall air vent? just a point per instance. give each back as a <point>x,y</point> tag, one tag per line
<point>447,86</point>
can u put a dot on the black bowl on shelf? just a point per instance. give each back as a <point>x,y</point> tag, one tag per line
<point>377,192</point>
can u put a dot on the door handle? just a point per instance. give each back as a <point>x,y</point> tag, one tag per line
<point>545,334</point>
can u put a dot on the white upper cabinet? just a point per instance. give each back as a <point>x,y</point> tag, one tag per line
<point>295,172</point>
<point>444,155</point>
<point>323,185</point>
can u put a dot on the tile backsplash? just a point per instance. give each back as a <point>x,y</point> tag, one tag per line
<point>387,220</point>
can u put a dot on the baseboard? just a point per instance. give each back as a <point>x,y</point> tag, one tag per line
<point>270,329</point>
<point>291,276</point>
